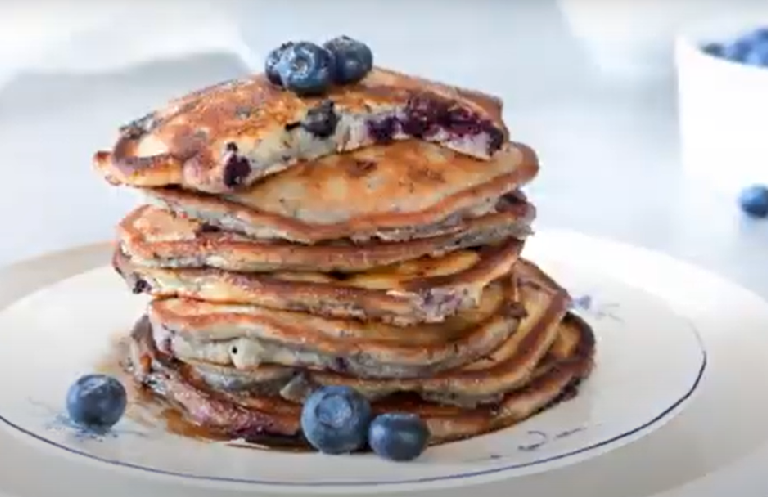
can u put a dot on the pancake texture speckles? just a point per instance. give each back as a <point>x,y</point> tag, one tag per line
<point>408,190</point>
<point>233,134</point>
<point>154,237</point>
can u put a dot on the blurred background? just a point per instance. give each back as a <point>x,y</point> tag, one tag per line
<point>601,89</point>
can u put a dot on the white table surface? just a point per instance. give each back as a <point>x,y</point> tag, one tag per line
<point>608,150</point>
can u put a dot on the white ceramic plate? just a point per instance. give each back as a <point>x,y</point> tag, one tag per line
<point>649,362</point>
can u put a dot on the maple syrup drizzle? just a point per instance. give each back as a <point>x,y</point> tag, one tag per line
<point>151,411</point>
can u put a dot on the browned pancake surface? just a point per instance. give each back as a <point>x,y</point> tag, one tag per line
<point>375,183</point>
<point>481,382</point>
<point>155,237</point>
<point>237,415</point>
<point>427,289</point>
<point>386,192</point>
<point>248,336</point>
<point>189,142</point>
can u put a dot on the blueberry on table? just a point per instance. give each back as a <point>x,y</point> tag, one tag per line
<point>737,50</point>
<point>754,201</point>
<point>270,65</point>
<point>335,420</point>
<point>96,401</point>
<point>758,35</point>
<point>305,68</point>
<point>714,49</point>
<point>398,436</point>
<point>353,60</point>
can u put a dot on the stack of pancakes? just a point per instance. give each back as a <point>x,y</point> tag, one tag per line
<point>281,260</point>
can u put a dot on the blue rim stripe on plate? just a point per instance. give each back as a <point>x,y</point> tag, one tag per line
<point>430,479</point>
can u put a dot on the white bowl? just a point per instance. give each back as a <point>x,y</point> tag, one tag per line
<point>723,109</point>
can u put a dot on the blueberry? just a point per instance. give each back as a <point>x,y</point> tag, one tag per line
<point>335,420</point>
<point>321,120</point>
<point>383,131</point>
<point>398,436</point>
<point>714,49</point>
<point>737,50</point>
<point>754,201</point>
<point>305,68</point>
<point>353,59</point>
<point>236,170</point>
<point>96,401</point>
<point>270,65</point>
<point>758,55</point>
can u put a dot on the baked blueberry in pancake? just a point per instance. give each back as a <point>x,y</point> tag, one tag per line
<point>399,192</point>
<point>232,134</point>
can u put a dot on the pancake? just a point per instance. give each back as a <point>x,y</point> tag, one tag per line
<point>234,133</point>
<point>483,381</point>
<point>251,415</point>
<point>246,337</point>
<point>154,237</point>
<point>398,192</point>
<point>427,289</point>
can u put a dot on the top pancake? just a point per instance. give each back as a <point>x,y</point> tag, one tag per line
<point>387,192</point>
<point>230,135</point>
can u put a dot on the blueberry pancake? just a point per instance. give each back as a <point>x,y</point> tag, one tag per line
<point>399,192</point>
<point>154,237</point>
<point>332,239</point>
<point>253,415</point>
<point>427,289</point>
<point>232,134</point>
<point>484,381</point>
<point>245,337</point>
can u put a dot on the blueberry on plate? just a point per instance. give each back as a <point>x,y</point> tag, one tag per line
<point>754,201</point>
<point>305,68</point>
<point>398,436</point>
<point>96,401</point>
<point>335,420</point>
<point>270,65</point>
<point>353,60</point>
